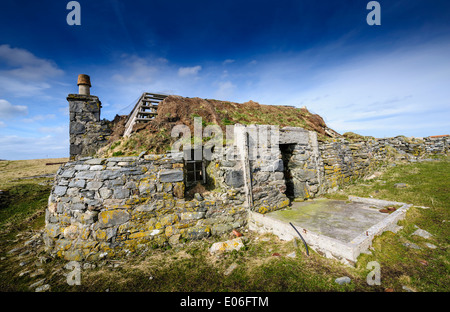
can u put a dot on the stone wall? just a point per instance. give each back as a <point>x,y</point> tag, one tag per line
<point>313,168</point>
<point>121,204</point>
<point>87,132</point>
<point>118,205</point>
<point>344,160</point>
<point>265,189</point>
<point>416,147</point>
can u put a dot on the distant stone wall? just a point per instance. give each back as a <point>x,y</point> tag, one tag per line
<point>417,147</point>
<point>87,132</point>
<point>344,161</point>
<point>313,168</point>
<point>121,204</point>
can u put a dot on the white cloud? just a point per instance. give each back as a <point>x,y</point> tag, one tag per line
<point>7,110</point>
<point>39,118</point>
<point>2,124</point>
<point>403,91</point>
<point>137,70</point>
<point>24,74</point>
<point>16,147</point>
<point>60,130</point>
<point>386,93</point>
<point>188,71</point>
<point>225,89</point>
<point>228,61</point>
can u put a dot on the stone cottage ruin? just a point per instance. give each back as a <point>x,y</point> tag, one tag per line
<point>118,205</point>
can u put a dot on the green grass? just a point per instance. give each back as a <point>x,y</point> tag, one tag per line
<point>26,197</point>
<point>23,201</point>
<point>429,186</point>
<point>192,268</point>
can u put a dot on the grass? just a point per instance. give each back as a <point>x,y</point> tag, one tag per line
<point>192,268</point>
<point>27,185</point>
<point>428,185</point>
<point>12,171</point>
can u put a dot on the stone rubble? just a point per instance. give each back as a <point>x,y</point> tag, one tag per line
<point>229,245</point>
<point>342,280</point>
<point>422,233</point>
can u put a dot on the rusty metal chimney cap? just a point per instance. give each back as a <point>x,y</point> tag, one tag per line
<point>84,80</point>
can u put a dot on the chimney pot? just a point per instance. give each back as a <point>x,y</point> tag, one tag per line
<point>84,84</point>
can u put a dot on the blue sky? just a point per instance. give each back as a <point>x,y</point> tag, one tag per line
<point>381,80</point>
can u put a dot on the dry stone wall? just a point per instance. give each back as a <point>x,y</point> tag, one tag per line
<point>117,205</point>
<point>113,206</point>
<point>344,161</point>
<point>313,168</point>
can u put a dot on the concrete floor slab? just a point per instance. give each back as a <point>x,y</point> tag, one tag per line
<point>336,228</point>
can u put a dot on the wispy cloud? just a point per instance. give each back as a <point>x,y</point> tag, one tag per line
<point>61,129</point>
<point>228,61</point>
<point>189,71</point>
<point>23,73</point>
<point>375,93</point>
<point>7,110</point>
<point>136,70</point>
<point>225,90</point>
<point>30,147</point>
<point>39,118</point>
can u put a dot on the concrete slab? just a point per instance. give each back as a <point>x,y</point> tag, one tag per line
<point>338,229</point>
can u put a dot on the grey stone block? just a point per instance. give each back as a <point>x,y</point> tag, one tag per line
<point>97,167</point>
<point>78,206</point>
<point>94,185</point>
<point>303,175</point>
<point>109,174</point>
<point>278,176</point>
<point>72,192</point>
<point>192,215</point>
<point>77,183</point>
<point>94,161</point>
<point>234,178</point>
<point>343,280</point>
<point>60,190</point>
<point>124,159</point>
<point>121,193</point>
<point>85,175</point>
<point>77,128</point>
<point>67,173</point>
<point>172,175</point>
<point>276,165</point>
<point>111,218</point>
<point>262,176</point>
<point>53,230</point>
<point>146,188</point>
<point>290,135</point>
<point>82,167</point>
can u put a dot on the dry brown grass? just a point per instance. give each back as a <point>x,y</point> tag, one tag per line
<point>154,136</point>
<point>14,170</point>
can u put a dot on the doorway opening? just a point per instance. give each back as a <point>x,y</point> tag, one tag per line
<point>287,151</point>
